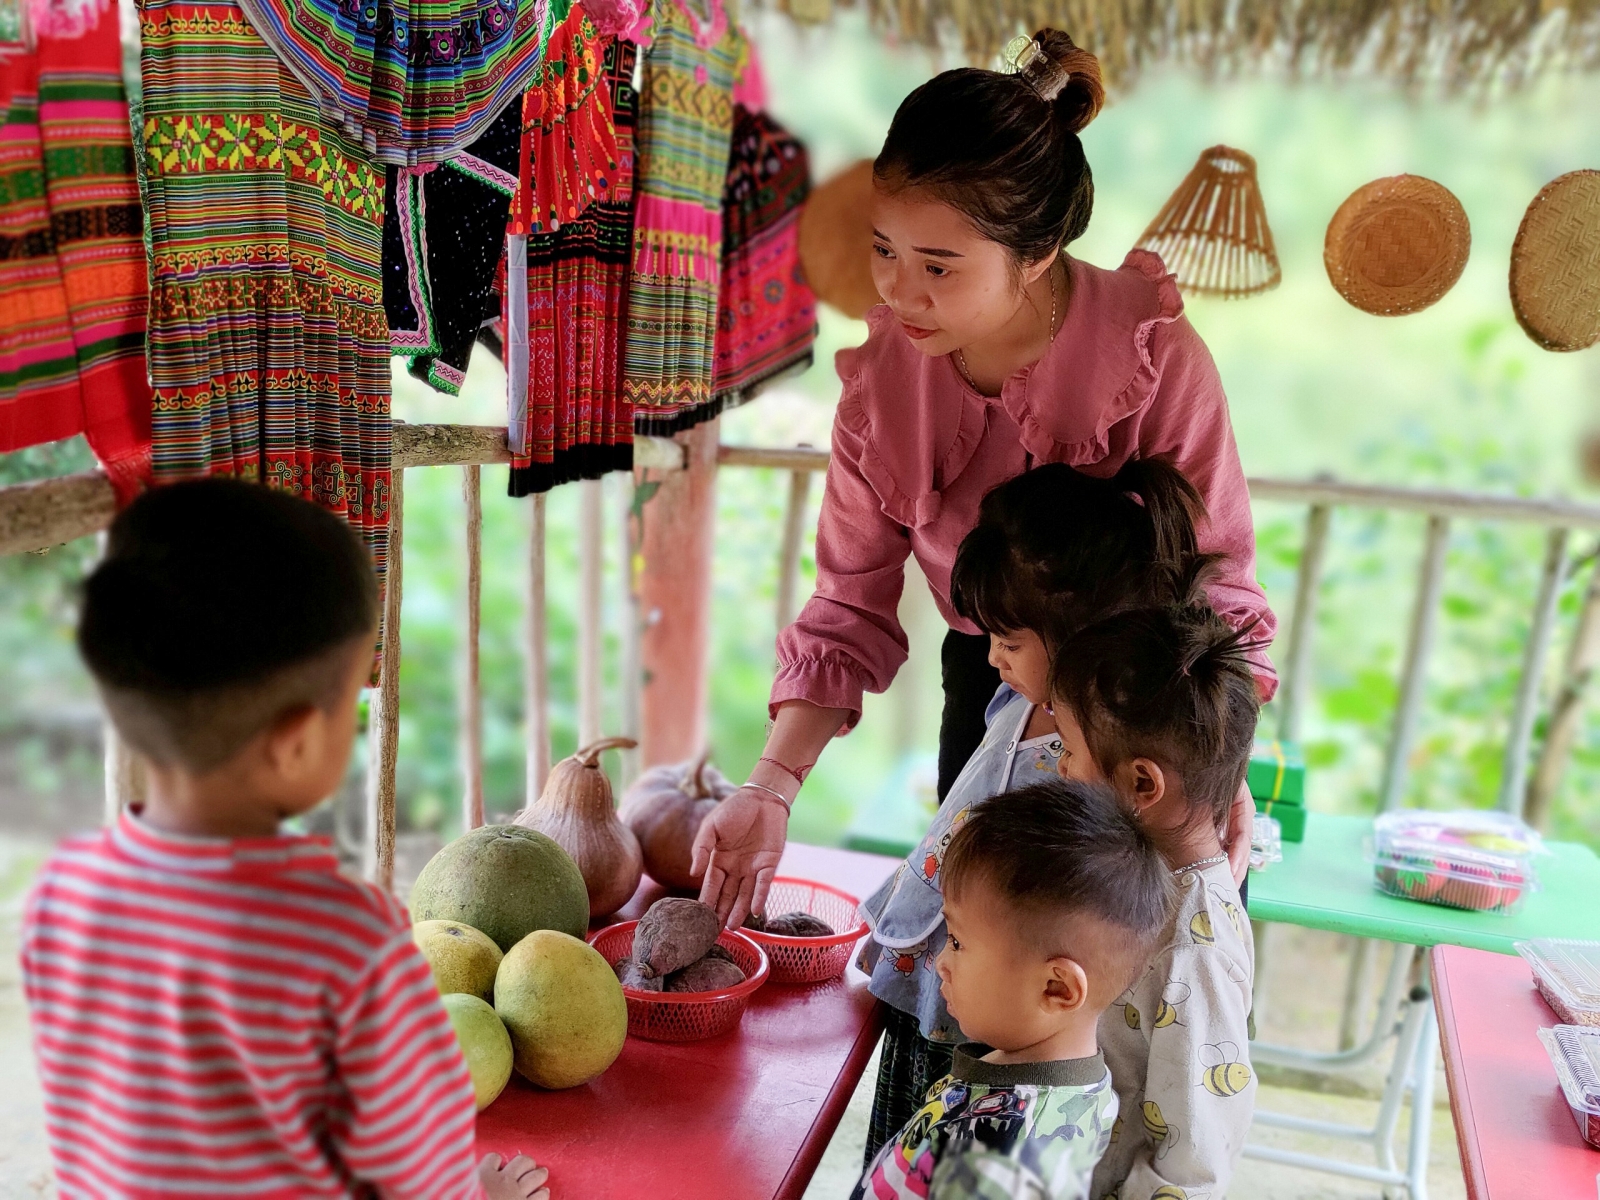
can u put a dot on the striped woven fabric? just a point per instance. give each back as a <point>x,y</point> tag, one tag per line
<point>411,82</point>
<point>572,421</point>
<point>72,269</point>
<point>685,127</point>
<point>268,346</point>
<point>767,320</point>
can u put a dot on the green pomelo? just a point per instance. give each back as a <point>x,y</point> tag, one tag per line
<point>564,1008</point>
<point>463,959</point>
<point>506,881</point>
<point>485,1045</point>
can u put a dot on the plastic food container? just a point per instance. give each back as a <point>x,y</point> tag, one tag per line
<point>685,1016</point>
<point>1481,861</point>
<point>1567,974</point>
<point>1575,1054</point>
<point>1266,842</point>
<point>810,959</point>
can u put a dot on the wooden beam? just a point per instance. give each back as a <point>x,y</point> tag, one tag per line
<point>36,516</point>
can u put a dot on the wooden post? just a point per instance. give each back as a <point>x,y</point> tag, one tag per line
<point>469,697</point>
<point>1302,626</point>
<point>1567,710</point>
<point>1514,775</point>
<point>1424,622</point>
<point>628,769</point>
<point>675,600</point>
<point>794,528</point>
<point>536,686</point>
<point>125,777</point>
<point>383,714</point>
<point>591,569</point>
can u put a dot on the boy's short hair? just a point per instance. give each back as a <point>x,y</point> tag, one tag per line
<point>1060,849</point>
<point>1173,685</point>
<point>1055,548</point>
<point>219,606</point>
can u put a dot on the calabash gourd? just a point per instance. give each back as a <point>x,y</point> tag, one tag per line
<point>575,810</point>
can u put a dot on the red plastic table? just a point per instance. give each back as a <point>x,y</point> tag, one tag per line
<point>742,1116</point>
<point>1516,1134</point>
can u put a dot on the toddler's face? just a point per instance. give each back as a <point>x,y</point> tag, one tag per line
<point>993,984</point>
<point>1076,761</point>
<point>1023,662</point>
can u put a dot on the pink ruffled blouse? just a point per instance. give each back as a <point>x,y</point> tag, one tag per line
<point>915,449</point>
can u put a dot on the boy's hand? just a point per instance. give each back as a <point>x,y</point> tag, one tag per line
<point>519,1179</point>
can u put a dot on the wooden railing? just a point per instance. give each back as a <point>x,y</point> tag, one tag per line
<point>38,515</point>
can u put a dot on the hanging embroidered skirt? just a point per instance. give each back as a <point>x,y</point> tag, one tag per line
<point>409,83</point>
<point>72,267</point>
<point>268,347</point>
<point>444,230</point>
<point>685,126</point>
<point>574,210</point>
<point>767,320</point>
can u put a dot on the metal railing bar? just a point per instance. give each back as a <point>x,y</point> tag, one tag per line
<point>1565,712</point>
<point>794,516</point>
<point>383,713</point>
<point>536,684</point>
<point>1424,622</point>
<point>470,696</point>
<point>1302,624</point>
<point>1514,774</point>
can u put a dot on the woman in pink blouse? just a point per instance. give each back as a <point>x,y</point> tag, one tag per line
<point>993,351</point>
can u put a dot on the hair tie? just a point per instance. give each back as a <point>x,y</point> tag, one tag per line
<point>1038,70</point>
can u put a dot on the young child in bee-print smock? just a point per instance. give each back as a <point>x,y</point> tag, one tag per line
<point>1029,575</point>
<point>1160,704</point>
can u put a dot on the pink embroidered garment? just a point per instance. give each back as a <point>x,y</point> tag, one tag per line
<point>915,450</point>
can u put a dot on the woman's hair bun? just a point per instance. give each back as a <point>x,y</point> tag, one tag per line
<point>1067,76</point>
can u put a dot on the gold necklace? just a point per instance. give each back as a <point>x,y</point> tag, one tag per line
<point>961,359</point>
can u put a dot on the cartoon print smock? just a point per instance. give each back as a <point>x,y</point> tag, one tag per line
<point>906,914</point>
<point>1000,1131</point>
<point>1177,1043</point>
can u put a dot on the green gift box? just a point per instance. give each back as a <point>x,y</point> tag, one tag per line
<point>1291,817</point>
<point>1277,772</point>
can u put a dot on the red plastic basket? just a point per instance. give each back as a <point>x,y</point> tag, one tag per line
<point>810,960</point>
<point>685,1016</point>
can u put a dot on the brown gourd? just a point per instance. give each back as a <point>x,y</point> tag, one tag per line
<point>576,811</point>
<point>664,809</point>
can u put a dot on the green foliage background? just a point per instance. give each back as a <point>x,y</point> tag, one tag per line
<point>1455,396</point>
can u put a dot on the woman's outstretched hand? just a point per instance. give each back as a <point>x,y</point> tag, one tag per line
<point>738,848</point>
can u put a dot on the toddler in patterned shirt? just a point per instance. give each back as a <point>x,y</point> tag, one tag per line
<point>1053,897</point>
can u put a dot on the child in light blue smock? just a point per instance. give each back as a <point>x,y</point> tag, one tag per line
<point>1121,542</point>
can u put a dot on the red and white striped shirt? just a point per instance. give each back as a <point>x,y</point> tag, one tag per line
<point>234,1017</point>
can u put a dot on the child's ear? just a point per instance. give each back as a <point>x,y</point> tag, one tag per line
<point>1143,782</point>
<point>1066,988</point>
<point>294,741</point>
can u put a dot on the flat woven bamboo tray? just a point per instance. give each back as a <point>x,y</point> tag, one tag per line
<point>1397,245</point>
<point>836,241</point>
<point>1555,264</point>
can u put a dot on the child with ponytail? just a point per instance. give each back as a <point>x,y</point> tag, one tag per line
<point>1160,704</point>
<point>1053,550</point>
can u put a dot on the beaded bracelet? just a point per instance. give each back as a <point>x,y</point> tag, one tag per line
<point>788,805</point>
<point>798,774</point>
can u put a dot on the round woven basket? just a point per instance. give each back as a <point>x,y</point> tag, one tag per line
<point>836,241</point>
<point>1555,264</point>
<point>1397,245</point>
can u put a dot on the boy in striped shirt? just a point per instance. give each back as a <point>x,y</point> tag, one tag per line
<point>216,1010</point>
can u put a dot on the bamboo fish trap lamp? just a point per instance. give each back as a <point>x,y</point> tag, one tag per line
<point>1212,233</point>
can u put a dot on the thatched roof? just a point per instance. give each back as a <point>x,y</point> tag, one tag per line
<point>1454,43</point>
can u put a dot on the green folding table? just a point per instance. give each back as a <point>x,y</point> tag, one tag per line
<point>1326,882</point>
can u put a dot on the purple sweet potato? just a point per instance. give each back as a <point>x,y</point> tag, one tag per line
<point>707,975</point>
<point>628,972</point>
<point>673,934</point>
<point>798,924</point>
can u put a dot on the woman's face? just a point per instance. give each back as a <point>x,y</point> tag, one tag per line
<point>948,285</point>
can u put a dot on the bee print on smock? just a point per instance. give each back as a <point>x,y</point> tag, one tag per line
<point>1171,1191</point>
<point>1169,1009</point>
<point>1165,1136</point>
<point>1130,1014</point>
<point>1235,917</point>
<point>1200,929</point>
<point>1222,1073</point>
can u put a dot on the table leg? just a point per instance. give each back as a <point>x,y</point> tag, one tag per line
<point>1422,1104</point>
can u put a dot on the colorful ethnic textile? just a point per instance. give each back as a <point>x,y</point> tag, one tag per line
<point>572,219</point>
<point>409,82</point>
<point>268,346</point>
<point>767,319</point>
<point>439,269</point>
<point>685,128</point>
<point>72,269</point>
